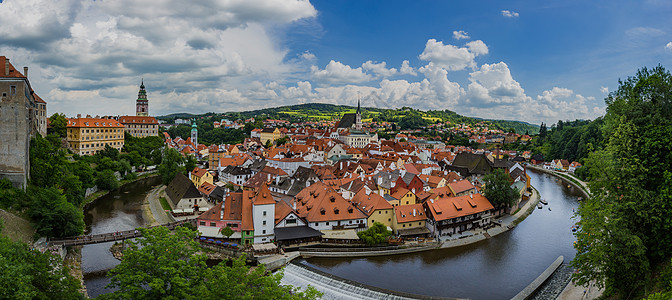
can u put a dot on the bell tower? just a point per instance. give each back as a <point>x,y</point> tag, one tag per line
<point>142,104</point>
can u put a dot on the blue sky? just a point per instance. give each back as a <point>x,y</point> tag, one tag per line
<point>525,60</point>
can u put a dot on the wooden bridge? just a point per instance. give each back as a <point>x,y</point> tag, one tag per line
<point>110,237</point>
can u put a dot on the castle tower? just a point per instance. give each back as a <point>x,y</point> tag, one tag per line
<point>142,104</point>
<point>194,134</point>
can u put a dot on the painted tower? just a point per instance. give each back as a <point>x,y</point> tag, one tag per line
<point>142,104</point>
<point>194,134</point>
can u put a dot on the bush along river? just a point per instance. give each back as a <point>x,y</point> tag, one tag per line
<point>496,268</point>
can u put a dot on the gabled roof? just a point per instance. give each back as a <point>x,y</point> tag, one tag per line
<point>369,203</point>
<point>264,196</point>
<point>400,193</point>
<point>206,188</point>
<point>460,186</point>
<point>181,187</point>
<point>319,203</point>
<point>13,73</point>
<point>453,207</point>
<point>410,213</point>
<point>474,163</point>
<point>198,172</point>
<point>347,121</point>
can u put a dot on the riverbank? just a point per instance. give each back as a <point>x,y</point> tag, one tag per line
<point>91,199</point>
<point>152,211</point>
<point>567,178</point>
<point>468,237</point>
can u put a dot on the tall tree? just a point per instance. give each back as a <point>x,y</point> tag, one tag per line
<point>58,124</point>
<point>626,225</point>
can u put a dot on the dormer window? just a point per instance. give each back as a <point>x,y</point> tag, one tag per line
<point>332,199</point>
<point>335,210</point>
<point>322,211</point>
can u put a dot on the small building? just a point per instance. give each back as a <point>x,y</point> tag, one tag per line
<point>410,221</point>
<point>183,194</point>
<point>454,215</point>
<point>199,176</point>
<point>269,134</point>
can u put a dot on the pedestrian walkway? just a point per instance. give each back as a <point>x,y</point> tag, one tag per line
<point>109,237</point>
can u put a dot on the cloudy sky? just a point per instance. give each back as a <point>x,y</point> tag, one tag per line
<point>537,61</point>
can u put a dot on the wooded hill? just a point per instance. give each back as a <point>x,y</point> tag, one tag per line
<point>405,117</point>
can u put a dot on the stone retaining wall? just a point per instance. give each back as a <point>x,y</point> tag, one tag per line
<point>528,291</point>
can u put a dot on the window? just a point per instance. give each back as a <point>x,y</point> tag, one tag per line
<point>264,223</point>
<point>291,221</point>
<point>326,223</point>
<point>212,224</point>
<point>263,231</point>
<point>264,214</point>
<point>12,90</point>
<point>403,225</point>
<point>202,223</point>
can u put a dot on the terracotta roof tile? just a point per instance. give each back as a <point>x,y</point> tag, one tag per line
<point>93,123</point>
<point>410,213</point>
<point>453,207</point>
<point>138,120</point>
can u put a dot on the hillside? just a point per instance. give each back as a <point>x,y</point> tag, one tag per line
<point>323,111</point>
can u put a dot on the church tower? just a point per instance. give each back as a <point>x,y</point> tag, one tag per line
<point>358,117</point>
<point>194,134</point>
<point>142,105</point>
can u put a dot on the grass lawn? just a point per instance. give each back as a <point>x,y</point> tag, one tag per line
<point>164,204</point>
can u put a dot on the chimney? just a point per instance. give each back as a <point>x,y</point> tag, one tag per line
<point>6,66</point>
<point>25,71</point>
<point>79,116</point>
<point>294,204</point>
<point>414,212</point>
<point>221,212</point>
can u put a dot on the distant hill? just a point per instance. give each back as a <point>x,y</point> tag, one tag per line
<point>323,111</point>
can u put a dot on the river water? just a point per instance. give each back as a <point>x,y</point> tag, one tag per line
<point>497,268</point>
<point>116,211</point>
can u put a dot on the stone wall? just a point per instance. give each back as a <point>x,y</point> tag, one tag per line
<point>16,105</point>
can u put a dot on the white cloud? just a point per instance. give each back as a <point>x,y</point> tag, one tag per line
<point>604,89</point>
<point>668,47</point>
<point>492,85</point>
<point>510,14</point>
<point>337,73</point>
<point>379,68</point>
<point>460,35</point>
<point>451,57</point>
<point>643,32</point>
<point>406,69</point>
<point>308,56</point>
<point>477,47</point>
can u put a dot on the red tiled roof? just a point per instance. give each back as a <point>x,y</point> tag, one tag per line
<point>319,203</point>
<point>453,207</point>
<point>410,213</point>
<point>38,99</point>
<point>460,186</point>
<point>264,196</point>
<point>370,203</point>
<point>93,123</point>
<point>198,172</point>
<point>12,71</point>
<point>137,120</point>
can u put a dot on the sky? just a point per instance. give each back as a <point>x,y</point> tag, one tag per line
<point>533,61</point>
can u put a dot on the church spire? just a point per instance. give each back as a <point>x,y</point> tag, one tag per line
<point>142,104</point>
<point>358,109</point>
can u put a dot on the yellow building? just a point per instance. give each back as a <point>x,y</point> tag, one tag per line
<point>404,196</point>
<point>271,134</point>
<point>409,220</point>
<point>200,176</point>
<point>375,207</point>
<point>87,136</point>
<point>140,126</point>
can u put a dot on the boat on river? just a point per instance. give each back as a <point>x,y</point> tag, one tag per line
<point>544,202</point>
<point>539,205</point>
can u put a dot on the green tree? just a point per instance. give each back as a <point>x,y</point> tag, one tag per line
<point>106,180</point>
<point>52,215</point>
<point>165,265</point>
<point>376,234</point>
<point>268,144</point>
<point>227,231</point>
<point>498,189</point>
<point>171,164</point>
<point>626,225</point>
<point>30,274</point>
<point>58,124</point>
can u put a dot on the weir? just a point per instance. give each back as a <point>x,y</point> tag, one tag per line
<point>335,287</point>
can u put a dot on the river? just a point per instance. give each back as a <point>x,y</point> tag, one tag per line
<point>116,211</point>
<point>497,268</point>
